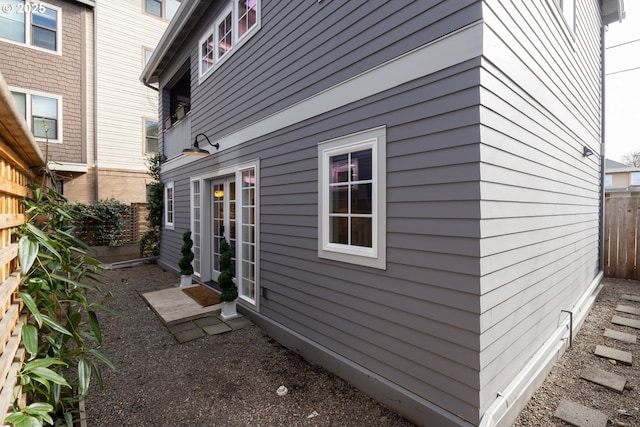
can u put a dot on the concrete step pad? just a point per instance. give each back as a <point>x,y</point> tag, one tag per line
<point>625,321</point>
<point>612,353</point>
<point>635,298</point>
<point>579,415</point>
<point>606,379</point>
<point>628,309</point>
<point>620,336</point>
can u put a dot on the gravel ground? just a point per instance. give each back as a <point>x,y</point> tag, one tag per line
<point>563,382</point>
<point>231,379</point>
<point>222,380</point>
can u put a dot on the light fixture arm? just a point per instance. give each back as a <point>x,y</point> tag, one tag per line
<point>195,149</point>
<point>195,141</point>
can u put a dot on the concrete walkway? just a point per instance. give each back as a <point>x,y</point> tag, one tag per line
<point>186,319</point>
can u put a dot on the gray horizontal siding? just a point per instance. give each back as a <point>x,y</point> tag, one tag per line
<point>312,48</point>
<point>540,197</point>
<point>416,323</point>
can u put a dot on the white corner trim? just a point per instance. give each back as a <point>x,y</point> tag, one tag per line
<point>449,50</point>
<point>509,402</point>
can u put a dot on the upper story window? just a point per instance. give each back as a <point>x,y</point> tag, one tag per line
<point>352,205</point>
<point>231,28</point>
<point>32,24</point>
<point>608,180</point>
<point>162,8</point>
<point>42,112</point>
<point>634,179</point>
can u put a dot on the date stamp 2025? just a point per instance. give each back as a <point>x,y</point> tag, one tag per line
<point>22,8</point>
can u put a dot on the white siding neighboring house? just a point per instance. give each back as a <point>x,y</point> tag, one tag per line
<point>127,111</point>
<point>620,177</point>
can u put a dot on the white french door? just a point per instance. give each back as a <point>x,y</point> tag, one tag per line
<point>223,219</point>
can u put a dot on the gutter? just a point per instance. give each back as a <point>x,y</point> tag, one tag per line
<point>96,194</point>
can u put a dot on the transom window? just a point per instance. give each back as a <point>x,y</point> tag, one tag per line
<point>42,113</point>
<point>231,28</point>
<point>352,205</point>
<point>32,24</point>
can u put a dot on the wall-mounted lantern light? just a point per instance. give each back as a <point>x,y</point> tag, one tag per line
<point>195,150</point>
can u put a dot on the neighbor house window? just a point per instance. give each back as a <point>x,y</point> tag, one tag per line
<point>168,205</point>
<point>608,180</point>
<point>635,178</point>
<point>42,113</point>
<point>162,8</point>
<point>33,24</point>
<point>231,28</point>
<point>568,9</point>
<point>352,205</point>
<point>150,136</point>
<point>146,52</point>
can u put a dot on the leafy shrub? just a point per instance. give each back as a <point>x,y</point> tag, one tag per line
<point>186,269</point>
<point>101,223</point>
<point>63,332</point>
<point>225,279</point>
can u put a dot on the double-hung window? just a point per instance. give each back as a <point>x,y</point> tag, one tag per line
<point>150,136</point>
<point>33,24</point>
<point>231,28</point>
<point>352,198</point>
<point>42,112</point>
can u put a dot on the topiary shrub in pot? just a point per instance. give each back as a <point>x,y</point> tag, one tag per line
<point>225,281</point>
<point>186,269</point>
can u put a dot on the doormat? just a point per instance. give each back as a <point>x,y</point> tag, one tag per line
<point>202,295</point>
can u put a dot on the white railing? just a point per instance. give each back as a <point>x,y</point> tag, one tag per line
<point>177,137</point>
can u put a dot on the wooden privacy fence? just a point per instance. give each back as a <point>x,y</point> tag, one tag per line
<point>621,235</point>
<point>12,191</point>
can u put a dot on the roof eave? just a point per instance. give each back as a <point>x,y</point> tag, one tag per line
<point>612,11</point>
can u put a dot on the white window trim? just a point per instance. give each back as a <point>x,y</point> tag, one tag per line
<point>27,35</point>
<point>237,41</point>
<point>375,257</point>
<point>197,257</point>
<point>170,225</point>
<point>29,94</point>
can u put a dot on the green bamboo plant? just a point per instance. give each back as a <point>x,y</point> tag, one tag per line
<point>63,332</point>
